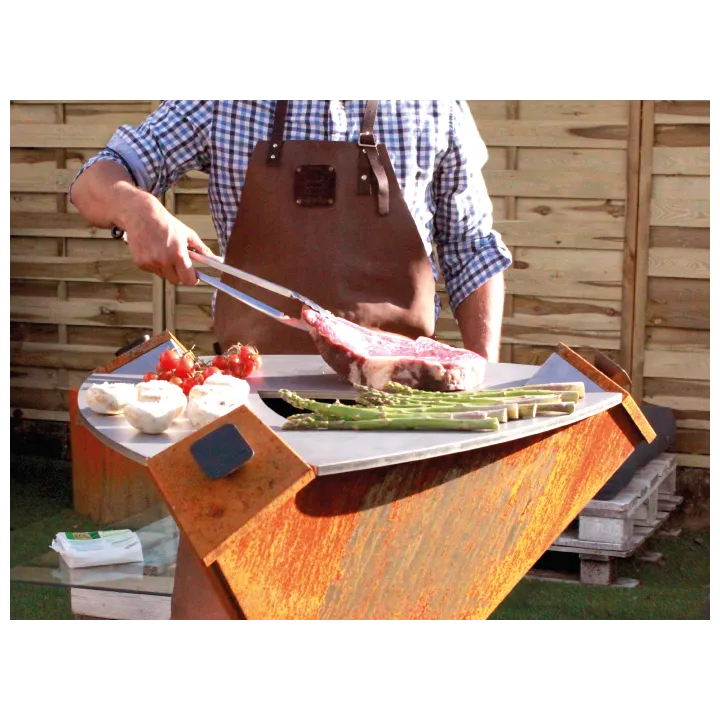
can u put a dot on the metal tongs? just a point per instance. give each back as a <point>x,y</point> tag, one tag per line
<point>248,277</point>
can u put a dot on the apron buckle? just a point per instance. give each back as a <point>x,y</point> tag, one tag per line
<point>364,142</point>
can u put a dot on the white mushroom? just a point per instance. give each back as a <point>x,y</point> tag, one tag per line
<point>217,396</point>
<point>109,398</point>
<point>218,379</point>
<point>157,390</point>
<point>157,404</point>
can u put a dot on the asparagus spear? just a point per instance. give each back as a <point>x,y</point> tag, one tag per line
<point>527,411</point>
<point>348,412</point>
<point>426,414</point>
<point>311,422</point>
<point>376,397</point>
<point>578,387</point>
<point>542,388</point>
<point>370,397</point>
<point>345,412</point>
<point>562,408</point>
<point>503,414</point>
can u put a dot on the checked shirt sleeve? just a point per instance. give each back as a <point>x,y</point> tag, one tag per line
<point>469,250</point>
<point>171,141</point>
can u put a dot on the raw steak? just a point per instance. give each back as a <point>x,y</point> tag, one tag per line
<point>372,358</point>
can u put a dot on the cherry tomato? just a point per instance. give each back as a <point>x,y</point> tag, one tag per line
<point>252,359</point>
<point>212,370</point>
<point>149,376</point>
<point>165,375</point>
<point>185,366</point>
<point>237,367</point>
<point>159,369</point>
<point>191,382</point>
<point>176,381</point>
<point>170,359</point>
<point>220,362</point>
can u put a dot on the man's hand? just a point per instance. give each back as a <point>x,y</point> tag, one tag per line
<point>105,196</point>
<point>480,315</point>
<point>159,243</point>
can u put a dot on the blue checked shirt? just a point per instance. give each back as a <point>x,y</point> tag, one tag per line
<point>434,147</point>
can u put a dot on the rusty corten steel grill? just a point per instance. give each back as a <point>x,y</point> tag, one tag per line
<point>387,524</point>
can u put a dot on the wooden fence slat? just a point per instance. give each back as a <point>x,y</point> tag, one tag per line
<point>39,398</point>
<point>595,110</point>
<point>556,184</point>
<point>31,224</point>
<point>81,312</point>
<point>29,178</point>
<point>43,113</point>
<point>682,135</point>
<point>681,161</point>
<point>553,159</point>
<point>35,247</point>
<point>685,212</point>
<point>567,209</point>
<point>680,237</point>
<point>680,188</point>
<point>60,136</point>
<point>55,355</point>
<point>679,303</point>
<point>569,314</point>
<point>72,268</point>
<point>672,338</point>
<point>669,262</point>
<point>20,100</point>
<point>699,461</point>
<point>629,269</point>
<point>552,133</point>
<point>33,414</point>
<point>561,233</point>
<point>512,112</point>
<point>647,131</point>
<point>544,284</point>
<point>693,441</point>
<point>681,365</point>
<point>682,111</point>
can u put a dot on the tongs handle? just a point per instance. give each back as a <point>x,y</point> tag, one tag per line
<point>119,234</point>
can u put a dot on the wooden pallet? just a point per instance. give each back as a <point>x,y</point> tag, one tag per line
<point>609,529</point>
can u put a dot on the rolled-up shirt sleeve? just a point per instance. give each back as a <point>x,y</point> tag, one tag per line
<point>470,252</point>
<point>171,142</point>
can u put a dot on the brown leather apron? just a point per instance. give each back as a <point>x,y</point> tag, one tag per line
<point>328,220</point>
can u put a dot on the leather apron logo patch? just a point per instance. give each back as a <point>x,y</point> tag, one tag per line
<point>315,185</point>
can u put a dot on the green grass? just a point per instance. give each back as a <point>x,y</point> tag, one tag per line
<point>41,506</point>
<point>676,589</point>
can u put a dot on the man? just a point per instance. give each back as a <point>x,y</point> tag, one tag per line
<point>339,200</point>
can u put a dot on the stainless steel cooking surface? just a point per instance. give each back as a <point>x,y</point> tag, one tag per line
<point>341,451</point>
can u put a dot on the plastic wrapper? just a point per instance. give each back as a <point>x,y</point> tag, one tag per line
<point>102,547</point>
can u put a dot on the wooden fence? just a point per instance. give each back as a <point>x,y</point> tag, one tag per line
<point>604,204</point>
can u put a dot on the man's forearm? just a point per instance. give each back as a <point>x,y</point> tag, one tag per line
<point>480,315</point>
<point>158,241</point>
<point>105,195</point>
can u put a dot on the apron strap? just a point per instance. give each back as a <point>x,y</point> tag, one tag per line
<point>369,165</point>
<point>276,139</point>
<point>370,160</point>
